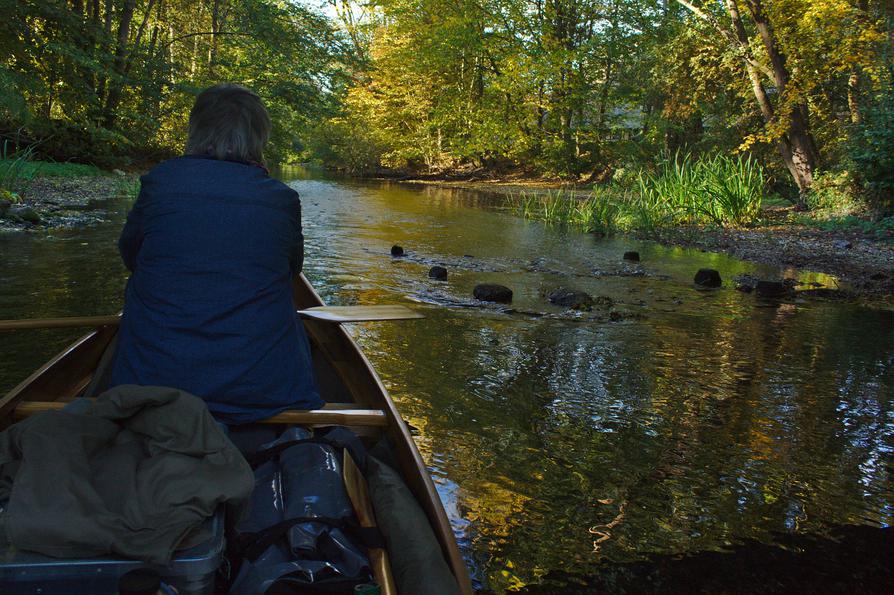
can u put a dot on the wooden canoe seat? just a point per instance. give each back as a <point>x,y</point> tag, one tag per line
<point>344,414</point>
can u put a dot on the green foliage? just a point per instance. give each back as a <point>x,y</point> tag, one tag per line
<point>128,187</point>
<point>872,151</point>
<point>54,169</point>
<point>28,168</point>
<point>568,88</point>
<point>716,190</point>
<point>598,211</point>
<point>732,189</point>
<point>880,229</point>
<point>342,144</point>
<point>15,169</point>
<point>721,190</point>
<point>834,194</point>
<point>108,83</point>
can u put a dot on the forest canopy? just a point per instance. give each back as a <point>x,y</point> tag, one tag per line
<point>112,80</point>
<point>587,90</point>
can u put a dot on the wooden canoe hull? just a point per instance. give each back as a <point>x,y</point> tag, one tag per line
<point>344,375</point>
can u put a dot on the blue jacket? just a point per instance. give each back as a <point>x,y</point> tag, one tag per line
<point>213,246</point>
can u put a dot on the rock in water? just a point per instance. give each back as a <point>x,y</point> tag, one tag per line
<point>4,206</point>
<point>708,278</point>
<point>24,213</point>
<point>631,255</point>
<point>771,288</point>
<point>570,298</point>
<point>745,283</point>
<point>491,292</point>
<point>397,250</point>
<point>439,273</point>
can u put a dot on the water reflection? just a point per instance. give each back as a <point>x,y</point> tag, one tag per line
<point>572,452</point>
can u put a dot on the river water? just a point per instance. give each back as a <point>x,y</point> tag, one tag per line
<point>698,434</point>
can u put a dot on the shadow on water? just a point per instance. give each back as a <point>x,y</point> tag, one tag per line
<point>857,560</point>
<point>705,436</point>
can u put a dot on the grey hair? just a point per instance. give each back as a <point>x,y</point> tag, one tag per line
<point>228,122</point>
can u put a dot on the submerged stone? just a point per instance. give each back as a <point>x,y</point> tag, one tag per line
<point>708,278</point>
<point>24,213</point>
<point>437,272</point>
<point>745,283</point>
<point>492,292</point>
<point>571,298</point>
<point>632,256</point>
<point>771,288</point>
<point>397,250</point>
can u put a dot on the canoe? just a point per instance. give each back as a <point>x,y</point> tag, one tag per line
<point>347,381</point>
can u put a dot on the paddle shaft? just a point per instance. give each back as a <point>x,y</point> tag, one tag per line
<point>327,313</point>
<point>347,414</point>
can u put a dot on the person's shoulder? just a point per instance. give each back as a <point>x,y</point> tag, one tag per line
<point>200,164</point>
<point>283,192</point>
<point>172,169</point>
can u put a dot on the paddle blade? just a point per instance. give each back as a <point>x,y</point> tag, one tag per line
<point>360,313</point>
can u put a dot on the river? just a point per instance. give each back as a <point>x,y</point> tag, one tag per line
<point>699,429</point>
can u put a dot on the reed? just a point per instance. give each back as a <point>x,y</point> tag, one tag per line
<point>15,168</point>
<point>720,190</point>
<point>682,190</point>
<point>598,211</point>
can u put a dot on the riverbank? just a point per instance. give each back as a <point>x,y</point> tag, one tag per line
<point>492,182</point>
<point>62,198</point>
<point>864,260</point>
<point>860,253</point>
<point>864,263</point>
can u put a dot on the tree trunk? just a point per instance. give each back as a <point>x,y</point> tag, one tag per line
<point>796,144</point>
<point>853,92</point>
<point>215,29</point>
<point>805,155</point>
<point>116,85</point>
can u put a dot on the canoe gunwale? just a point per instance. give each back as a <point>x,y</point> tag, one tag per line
<point>64,376</point>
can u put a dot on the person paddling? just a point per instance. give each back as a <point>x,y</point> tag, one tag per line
<point>212,244</point>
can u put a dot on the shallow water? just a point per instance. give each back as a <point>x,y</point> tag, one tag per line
<point>570,449</point>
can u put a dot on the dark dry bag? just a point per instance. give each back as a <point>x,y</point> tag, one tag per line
<point>301,535</point>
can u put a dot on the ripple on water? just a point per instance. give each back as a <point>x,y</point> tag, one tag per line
<point>716,433</point>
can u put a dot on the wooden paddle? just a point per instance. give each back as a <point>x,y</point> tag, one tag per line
<point>337,314</point>
<point>347,414</point>
<point>355,485</point>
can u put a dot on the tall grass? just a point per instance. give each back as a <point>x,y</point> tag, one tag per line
<point>732,189</point>
<point>15,168</point>
<point>719,190</point>
<point>597,211</point>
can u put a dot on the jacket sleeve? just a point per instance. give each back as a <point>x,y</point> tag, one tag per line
<point>296,256</point>
<point>132,235</point>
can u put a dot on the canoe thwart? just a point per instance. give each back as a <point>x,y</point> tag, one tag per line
<point>325,416</point>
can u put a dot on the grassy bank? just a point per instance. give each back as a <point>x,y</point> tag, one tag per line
<point>708,192</point>
<point>681,190</point>
<point>41,194</point>
<point>18,170</point>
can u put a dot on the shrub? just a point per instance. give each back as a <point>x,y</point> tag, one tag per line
<point>834,194</point>
<point>872,151</point>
